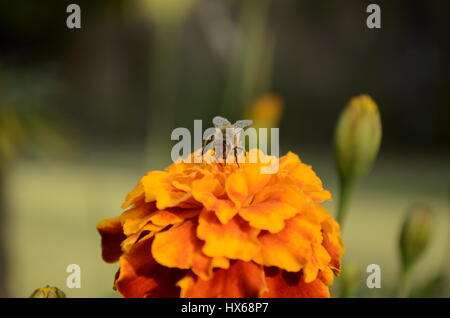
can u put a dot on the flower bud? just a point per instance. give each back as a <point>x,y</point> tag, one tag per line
<point>266,111</point>
<point>357,137</point>
<point>48,292</point>
<point>415,234</point>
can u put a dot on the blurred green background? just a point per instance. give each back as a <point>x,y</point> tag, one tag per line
<point>84,113</point>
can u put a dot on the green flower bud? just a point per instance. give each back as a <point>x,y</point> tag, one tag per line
<point>357,137</point>
<point>415,234</point>
<point>48,292</point>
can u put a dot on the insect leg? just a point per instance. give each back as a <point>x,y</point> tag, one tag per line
<point>206,143</point>
<point>235,156</point>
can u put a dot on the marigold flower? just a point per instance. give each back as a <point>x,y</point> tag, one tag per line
<point>215,230</point>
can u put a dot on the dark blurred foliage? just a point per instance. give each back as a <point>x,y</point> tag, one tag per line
<point>323,55</point>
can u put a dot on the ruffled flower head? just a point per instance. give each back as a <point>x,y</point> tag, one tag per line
<point>225,230</point>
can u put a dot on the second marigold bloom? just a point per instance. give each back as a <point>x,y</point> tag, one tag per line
<point>213,230</point>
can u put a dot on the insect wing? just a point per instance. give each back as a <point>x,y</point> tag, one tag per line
<point>219,121</point>
<point>243,123</point>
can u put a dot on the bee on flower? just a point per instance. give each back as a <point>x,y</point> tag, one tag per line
<point>227,139</point>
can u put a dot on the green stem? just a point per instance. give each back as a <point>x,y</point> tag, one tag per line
<point>346,191</point>
<point>403,284</point>
<point>346,290</point>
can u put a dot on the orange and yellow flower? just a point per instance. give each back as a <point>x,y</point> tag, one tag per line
<point>225,230</point>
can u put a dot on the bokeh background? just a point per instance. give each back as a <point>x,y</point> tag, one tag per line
<point>84,113</point>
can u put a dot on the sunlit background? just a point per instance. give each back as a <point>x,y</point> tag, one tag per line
<point>84,113</point>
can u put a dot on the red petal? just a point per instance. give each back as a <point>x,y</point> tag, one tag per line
<point>140,275</point>
<point>241,280</point>
<point>112,235</point>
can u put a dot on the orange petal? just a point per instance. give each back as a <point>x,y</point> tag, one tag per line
<point>269,215</point>
<point>246,182</point>
<point>134,219</point>
<point>318,261</point>
<point>272,207</point>
<point>183,179</point>
<point>304,176</point>
<point>137,194</point>
<point>310,183</point>
<point>179,247</point>
<point>207,191</point>
<point>291,248</point>
<point>158,186</point>
<point>146,232</point>
<point>140,276</point>
<point>176,246</point>
<point>234,240</point>
<point>327,276</point>
<point>333,243</point>
<point>288,162</point>
<point>241,280</point>
<point>112,235</point>
<point>319,196</point>
<point>173,216</point>
<point>321,213</point>
<point>256,181</point>
<point>203,265</point>
<point>282,284</point>
<point>236,187</point>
